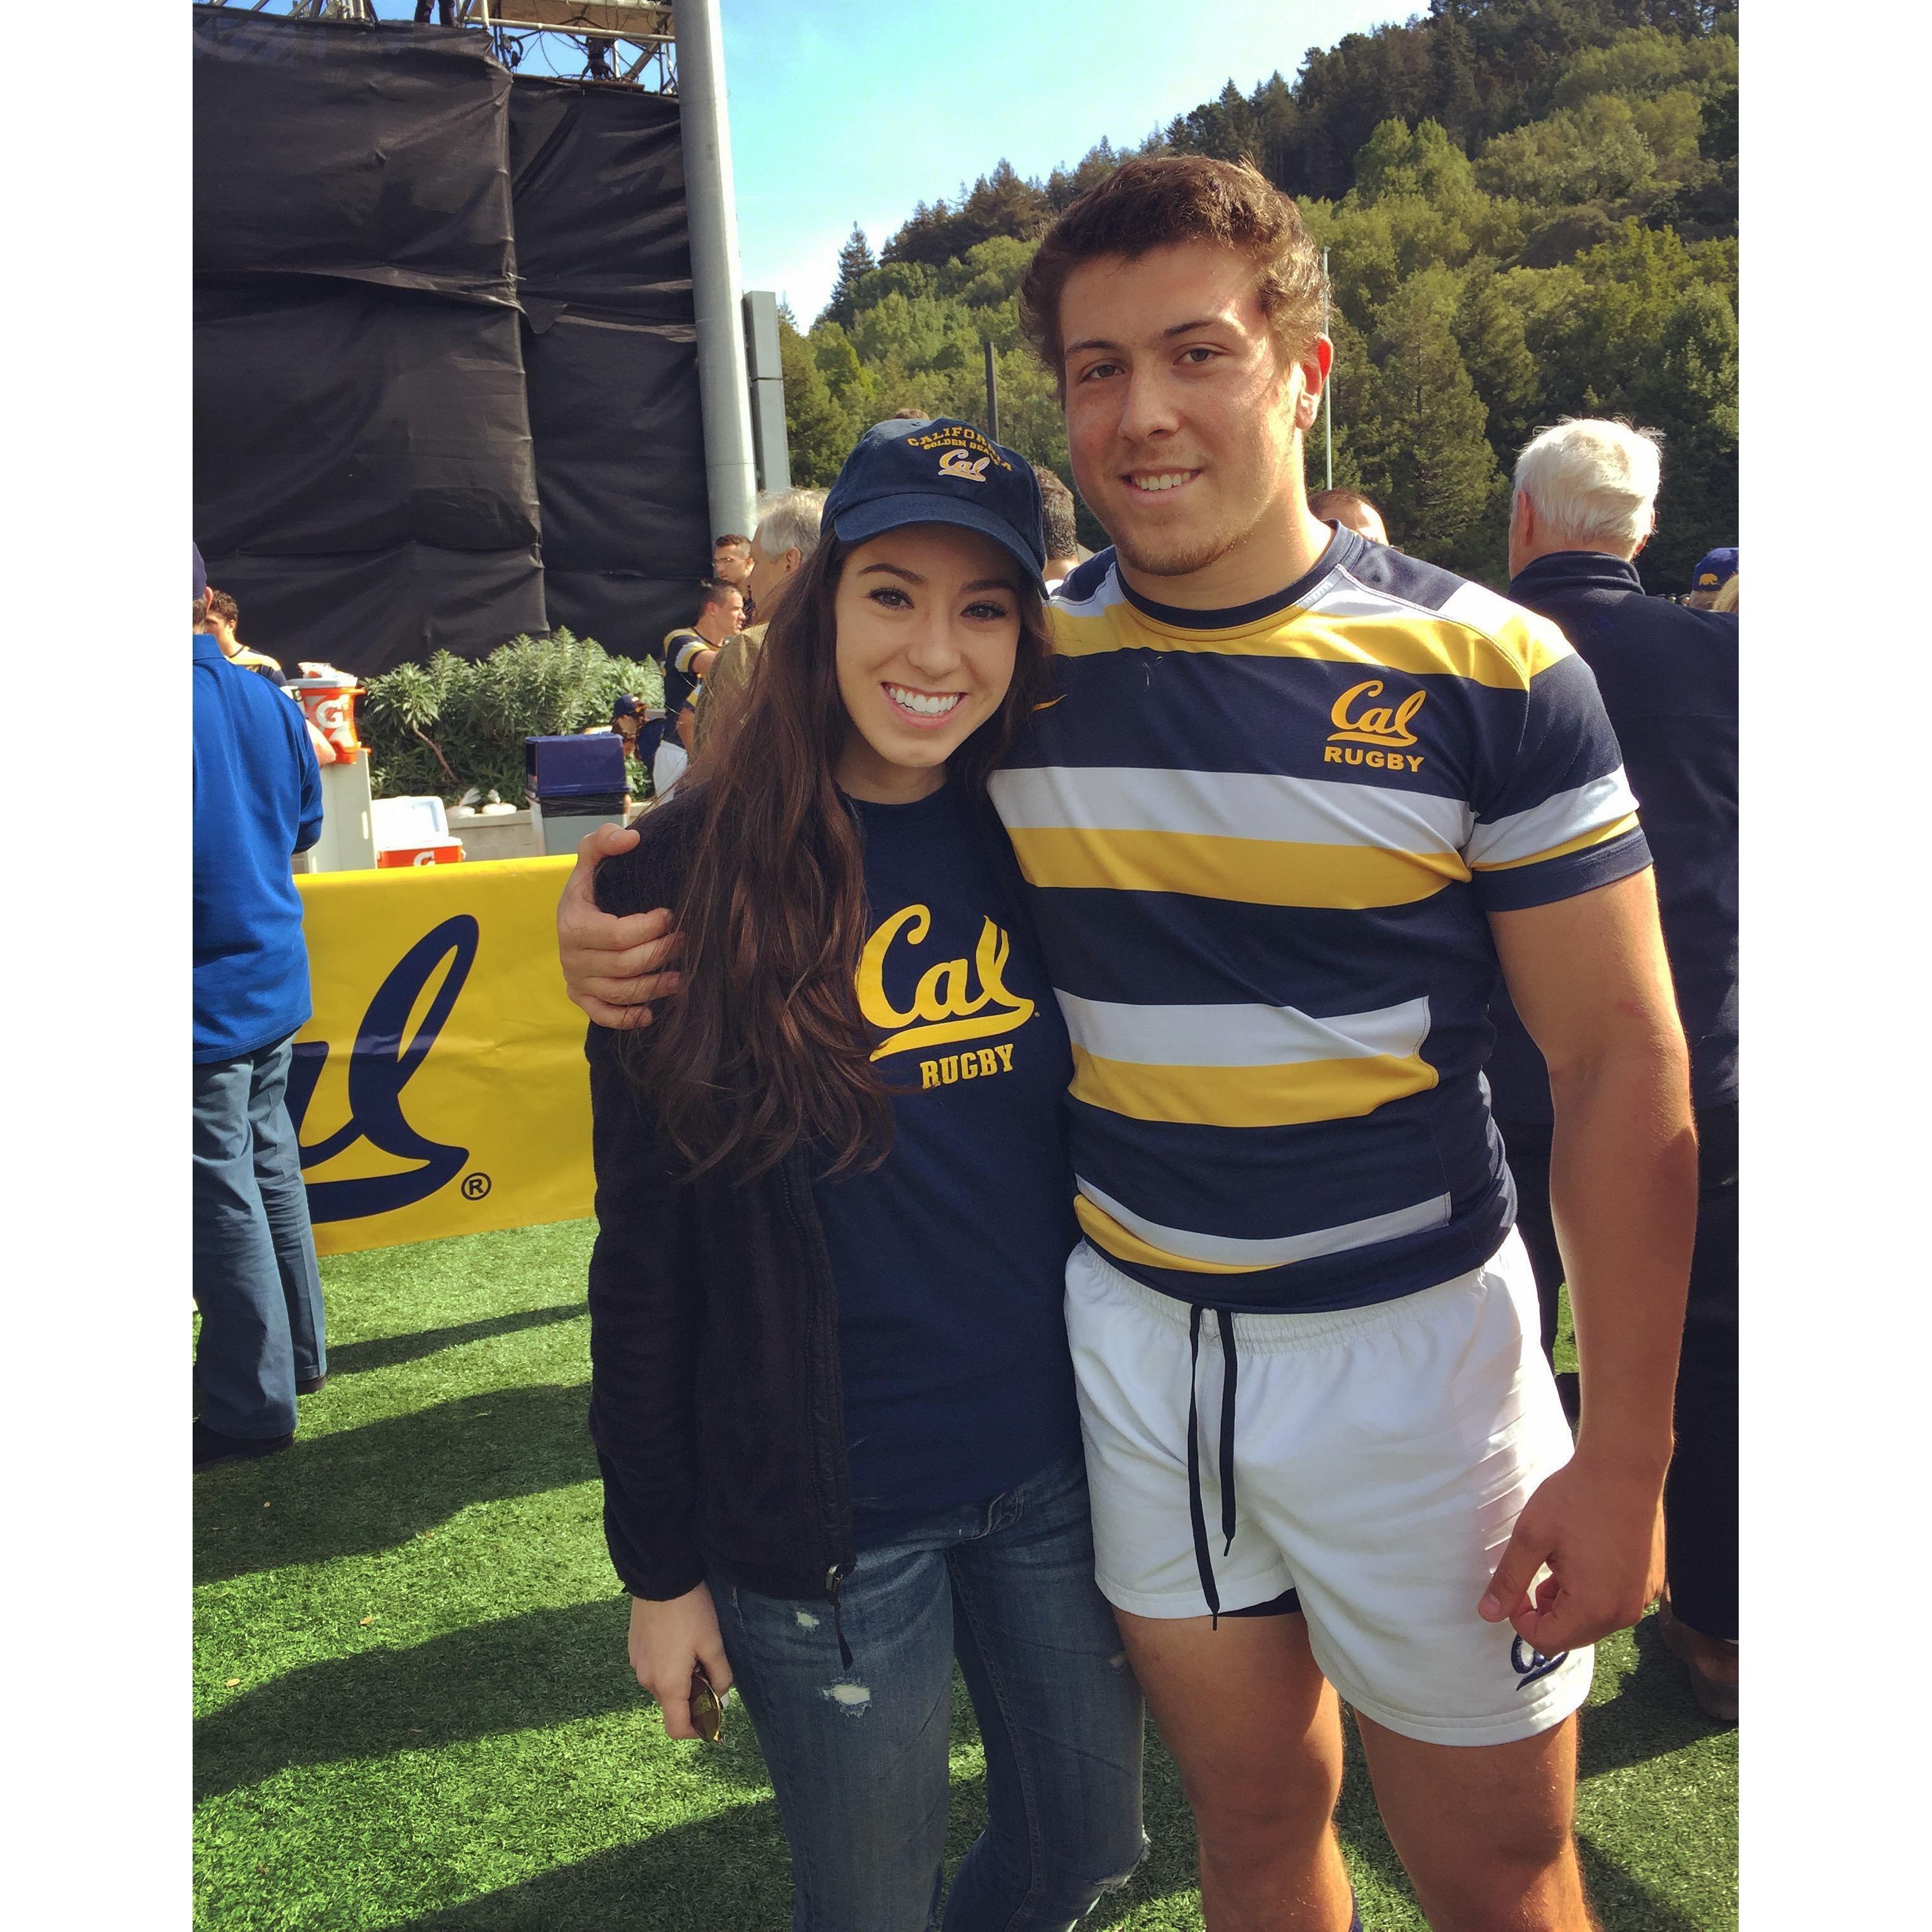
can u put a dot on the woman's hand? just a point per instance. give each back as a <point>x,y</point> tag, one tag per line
<point>668,1641</point>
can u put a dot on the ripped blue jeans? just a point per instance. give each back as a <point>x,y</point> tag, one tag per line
<point>858,1757</point>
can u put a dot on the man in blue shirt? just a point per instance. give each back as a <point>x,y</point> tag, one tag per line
<point>257,802</point>
<point>1585,503</point>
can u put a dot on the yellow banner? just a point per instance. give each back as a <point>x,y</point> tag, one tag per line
<point>440,1088</point>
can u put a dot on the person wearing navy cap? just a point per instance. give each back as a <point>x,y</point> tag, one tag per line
<point>831,1391</point>
<point>257,802</point>
<point>1715,568</point>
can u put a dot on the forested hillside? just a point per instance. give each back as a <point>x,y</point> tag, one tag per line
<point>1530,207</point>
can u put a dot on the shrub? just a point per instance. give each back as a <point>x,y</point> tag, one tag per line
<point>444,726</point>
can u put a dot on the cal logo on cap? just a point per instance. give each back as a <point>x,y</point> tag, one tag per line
<point>966,453</point>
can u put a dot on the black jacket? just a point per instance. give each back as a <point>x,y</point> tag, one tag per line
<point>715,1403</point>
<point>1669,677</point>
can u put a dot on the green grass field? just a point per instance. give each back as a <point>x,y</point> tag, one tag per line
<point>412,1707</point>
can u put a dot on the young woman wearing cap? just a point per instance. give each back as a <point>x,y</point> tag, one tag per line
<point>831,1392</point>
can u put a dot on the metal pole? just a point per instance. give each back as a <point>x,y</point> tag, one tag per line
<point>992,396</point>
<point>1328,399</point>
<point>729,476</point>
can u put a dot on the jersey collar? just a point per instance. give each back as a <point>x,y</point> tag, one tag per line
<point>1344,548</point>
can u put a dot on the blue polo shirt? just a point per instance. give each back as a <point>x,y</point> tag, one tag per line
<point>257,803</point>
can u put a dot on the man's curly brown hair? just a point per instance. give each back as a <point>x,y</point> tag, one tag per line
<point>1159,200</point>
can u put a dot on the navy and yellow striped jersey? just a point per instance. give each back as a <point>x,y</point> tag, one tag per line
<point>1262,843</point>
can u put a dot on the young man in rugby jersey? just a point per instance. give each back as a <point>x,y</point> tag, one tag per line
<point>1301,796</point>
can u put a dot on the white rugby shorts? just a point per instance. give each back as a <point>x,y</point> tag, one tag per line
<point>1380,1458</point>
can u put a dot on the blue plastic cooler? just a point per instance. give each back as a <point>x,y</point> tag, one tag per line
<point>575,783</point>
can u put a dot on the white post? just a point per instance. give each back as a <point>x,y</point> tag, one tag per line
<point>730,477</point>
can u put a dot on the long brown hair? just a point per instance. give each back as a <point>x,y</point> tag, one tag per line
<point>764,1048</point>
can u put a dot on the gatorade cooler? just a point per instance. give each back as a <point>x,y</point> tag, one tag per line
<point>329,705</point>
<point>413,832</point>
<point>575,783</point>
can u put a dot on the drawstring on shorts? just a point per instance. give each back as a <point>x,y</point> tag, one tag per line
<point>1196,1508</point>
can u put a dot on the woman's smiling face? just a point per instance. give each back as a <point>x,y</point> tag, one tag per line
<point>928,625</point>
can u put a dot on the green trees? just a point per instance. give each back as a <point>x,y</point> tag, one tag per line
<point>1531,212</point>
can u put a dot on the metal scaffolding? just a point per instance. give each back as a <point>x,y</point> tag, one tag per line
<point>630,43</point>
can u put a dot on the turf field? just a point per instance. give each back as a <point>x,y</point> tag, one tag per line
<point>411,1708</point>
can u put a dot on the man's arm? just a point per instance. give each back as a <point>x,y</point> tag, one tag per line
<point>613,967</point>
<point>1589,977</point>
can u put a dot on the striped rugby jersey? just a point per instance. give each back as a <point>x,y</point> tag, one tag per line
<point>1261,844</point>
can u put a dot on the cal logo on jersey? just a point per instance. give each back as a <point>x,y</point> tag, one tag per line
<point>1359,720</point>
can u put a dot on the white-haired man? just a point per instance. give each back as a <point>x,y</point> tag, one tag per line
<point>1585,505</point>
<point>787,534</point>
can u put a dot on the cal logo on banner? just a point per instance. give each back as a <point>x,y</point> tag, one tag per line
<point>440,1088</point>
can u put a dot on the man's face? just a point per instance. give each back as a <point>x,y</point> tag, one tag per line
<point>1181,419</point>
<point>768,572</point>
<point>721,619</point>
<point>731,563</point>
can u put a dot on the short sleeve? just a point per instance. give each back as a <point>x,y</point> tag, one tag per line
<point>309,830</point>
<point>1559,818</point>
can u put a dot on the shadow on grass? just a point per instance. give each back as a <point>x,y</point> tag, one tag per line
<point>364,1490</point>
<point>1623,1903</point>
<point>1653,1714</point>
<point>528,1673</point>
<point>385,1351</point>
<point>727,1870</point>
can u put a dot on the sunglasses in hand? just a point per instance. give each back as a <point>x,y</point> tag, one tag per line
<point>707,1708</point>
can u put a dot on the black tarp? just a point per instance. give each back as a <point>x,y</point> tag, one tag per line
<point>428,301</point>
<point>610,357</point>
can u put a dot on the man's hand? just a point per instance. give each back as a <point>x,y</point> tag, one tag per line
<point>1598,1530</point>
<point>667,1641</point>
<point>613,967</point>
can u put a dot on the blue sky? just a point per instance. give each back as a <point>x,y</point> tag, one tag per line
<point>857,112</point>
<point>859,109</point>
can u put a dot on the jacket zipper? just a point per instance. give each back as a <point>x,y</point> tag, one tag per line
<point>830,1525</point>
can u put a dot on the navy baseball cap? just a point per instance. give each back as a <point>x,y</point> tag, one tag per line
<point>1715,568</point>
<point>625,706</point>
<point>941,471</point>
<point>200,575</point>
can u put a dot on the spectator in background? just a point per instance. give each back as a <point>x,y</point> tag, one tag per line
<point>1352,510</point>
<point>688,655</point>
<point>1584,506</point>
<point>787,533</point>
<point>1063,543</point>
<point>1715,568</point>
<point>223,617</point>
<point>257,803</point>
<point>1726,602</point>
<point>731,563</point>
<point>731,560</point>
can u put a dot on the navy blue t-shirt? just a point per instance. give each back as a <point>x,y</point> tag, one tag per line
<point>1669,677</point>
<point>949,1260</point>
